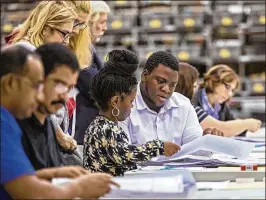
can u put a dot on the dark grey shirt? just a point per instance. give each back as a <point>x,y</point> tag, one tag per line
<point>40,144</point>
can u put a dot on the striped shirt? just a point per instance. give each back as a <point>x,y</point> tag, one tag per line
<point>200,113</point>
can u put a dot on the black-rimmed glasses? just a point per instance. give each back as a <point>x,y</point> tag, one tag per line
<point>65,34</point>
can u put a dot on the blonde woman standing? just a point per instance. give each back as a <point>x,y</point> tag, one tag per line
<point>86,110</point>
<point>50,21</point>
<point>80,41</point>
<point>57,21</point>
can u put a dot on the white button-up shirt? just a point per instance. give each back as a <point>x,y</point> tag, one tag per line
<point>176,121</point>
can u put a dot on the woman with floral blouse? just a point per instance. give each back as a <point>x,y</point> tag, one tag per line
<point>106,146</point>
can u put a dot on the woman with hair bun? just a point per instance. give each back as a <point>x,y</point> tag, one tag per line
<point>106,145</point>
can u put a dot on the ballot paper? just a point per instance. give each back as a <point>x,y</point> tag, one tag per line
<point>247,139</point>
<point>162,184</point>
<point>212,185</point>
<point>152,183</point>
<point>213,143</point>
<point>258,134</point>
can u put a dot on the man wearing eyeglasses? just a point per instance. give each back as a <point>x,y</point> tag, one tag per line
<point>61,72</point>
<point>22,78</point>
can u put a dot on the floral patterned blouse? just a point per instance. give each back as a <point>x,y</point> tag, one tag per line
<point>106,148</point>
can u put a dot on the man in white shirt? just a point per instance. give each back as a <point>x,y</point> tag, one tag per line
<point>158,112</point>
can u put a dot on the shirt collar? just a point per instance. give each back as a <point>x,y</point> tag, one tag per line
<point>36,121</point>
<point>207,105</point>
<point>141,105</point>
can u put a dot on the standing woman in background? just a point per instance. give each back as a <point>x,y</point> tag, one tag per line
<point>219,85</point>
<point>80,42</point>
<point>86,109</point>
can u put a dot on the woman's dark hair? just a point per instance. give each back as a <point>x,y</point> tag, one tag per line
<point>188,75</point>
<point>117,77</point>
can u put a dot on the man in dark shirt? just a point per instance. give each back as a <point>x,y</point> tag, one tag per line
<point>61,73</point>
<point>21,74</point>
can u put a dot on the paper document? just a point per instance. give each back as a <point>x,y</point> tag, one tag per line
<point>258,134</point>
<point>160,184</point>
<point>212,185</point>
<point>152,183</point>
<point>213,143</point>
<point>247,139</point>
<point>233,161</point>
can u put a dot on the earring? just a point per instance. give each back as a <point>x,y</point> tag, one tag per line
<point>115,110</point>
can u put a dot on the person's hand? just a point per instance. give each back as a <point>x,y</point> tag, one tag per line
<point>253,124</point>
<point>170,148</point>
<point>213,131</point>
<point>95,185</point>
<point>70,171</point>
<point>67,142</point>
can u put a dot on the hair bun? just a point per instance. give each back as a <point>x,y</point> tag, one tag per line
<point>122,62</point>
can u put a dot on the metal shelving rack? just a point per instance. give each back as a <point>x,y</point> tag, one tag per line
<point>202,33</point>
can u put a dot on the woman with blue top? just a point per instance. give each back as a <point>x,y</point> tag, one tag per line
<point>213,95</point>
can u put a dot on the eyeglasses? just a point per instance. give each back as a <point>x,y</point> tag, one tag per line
<point>80,25</point>
<point>65,34</point>
<point>36,86</point>
<point>61,88</point>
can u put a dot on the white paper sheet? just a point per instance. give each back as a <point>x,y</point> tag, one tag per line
<point>258,134</point>
<point>231,160</point>
<point>213,143</point>
<point>152,183</point>
<point>212,185</point>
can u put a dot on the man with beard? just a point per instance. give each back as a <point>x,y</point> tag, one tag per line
<point>61,73</point>
<point>158,112</point>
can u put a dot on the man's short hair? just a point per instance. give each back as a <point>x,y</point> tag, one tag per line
<point>161,57</point>
<point>14,58</point>
<point>55,54</point>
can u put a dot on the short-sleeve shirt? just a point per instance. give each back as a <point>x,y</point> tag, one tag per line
<point>200,113</point>
<point>14,161</point>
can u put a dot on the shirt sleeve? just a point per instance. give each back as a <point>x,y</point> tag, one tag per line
<point>192,128</point>
<point>14,162</point>
<point>200,113</point>
<point>123,153</point>
<point>58,117</point>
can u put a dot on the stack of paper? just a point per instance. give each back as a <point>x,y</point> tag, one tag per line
<point>214,161</point>
<point>213,143</point>
<point>163,184</point>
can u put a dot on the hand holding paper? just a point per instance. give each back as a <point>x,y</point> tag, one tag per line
<point>170,148</point>
<point>214,143</point>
